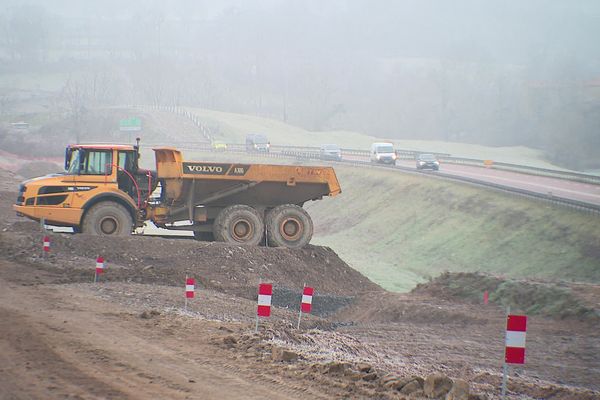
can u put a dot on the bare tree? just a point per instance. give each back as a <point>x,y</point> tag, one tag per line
<point>75,93</point>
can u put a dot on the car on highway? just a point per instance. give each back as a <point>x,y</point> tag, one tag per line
<point>219,146</point>
<point>330,152</point>
<point>257,142</point>
<point>428,161</point>
<point>383,153</point>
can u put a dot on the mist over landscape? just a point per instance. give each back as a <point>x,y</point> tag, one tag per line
<point>501,73</point>
<point>300,199</point>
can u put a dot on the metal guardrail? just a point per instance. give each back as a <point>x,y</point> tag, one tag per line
<point>303,155</point>
<point>404,154</point>
<point>312,153</point>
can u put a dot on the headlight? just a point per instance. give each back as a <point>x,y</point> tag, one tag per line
<point>394,156</point>
<point>378,156</point>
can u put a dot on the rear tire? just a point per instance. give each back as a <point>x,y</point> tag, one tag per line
<point>239,224</point>
<point>107,219</point>
<point>289,225</point>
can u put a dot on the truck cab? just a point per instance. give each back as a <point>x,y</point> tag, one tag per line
<point>93,174</point>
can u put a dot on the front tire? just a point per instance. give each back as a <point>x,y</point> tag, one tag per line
<point>107,219</point>
<point>289,226</point>
<point>239,224</point>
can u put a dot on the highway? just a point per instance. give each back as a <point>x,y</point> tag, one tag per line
<point>586,192</point>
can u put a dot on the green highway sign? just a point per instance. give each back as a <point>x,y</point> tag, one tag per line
<point>132,124</point>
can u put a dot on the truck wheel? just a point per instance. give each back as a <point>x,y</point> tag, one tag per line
<point>239,224</point>
<point>289,226</point>
<point>107,218</point>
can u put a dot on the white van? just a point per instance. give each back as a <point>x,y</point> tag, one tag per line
<point>383,153</point>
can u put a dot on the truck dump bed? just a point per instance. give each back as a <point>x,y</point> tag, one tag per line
<point>190,184</point>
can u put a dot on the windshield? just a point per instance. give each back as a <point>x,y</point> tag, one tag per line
<point>385,149</point>
<point>427,157</point>
<point>260,140</point>
<point>74,163</point>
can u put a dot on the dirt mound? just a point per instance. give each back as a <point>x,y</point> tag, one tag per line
<point>8,181</point>
<point>221,267</point>
<point>38,168</point>
<point>557,300</point>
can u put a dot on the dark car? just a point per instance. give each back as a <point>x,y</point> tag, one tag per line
<point>330,152</point>
<point>427,161</point>
<point>257,142</point>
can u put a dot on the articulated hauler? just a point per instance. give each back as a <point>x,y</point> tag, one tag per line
<point>103,191</point>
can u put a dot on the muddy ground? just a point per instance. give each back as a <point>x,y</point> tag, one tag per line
<point>64,337</point>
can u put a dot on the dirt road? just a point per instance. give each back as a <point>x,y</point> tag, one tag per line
<point>58,342</point>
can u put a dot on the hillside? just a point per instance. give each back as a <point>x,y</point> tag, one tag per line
<point>400,229</point>
<point>233,127</point>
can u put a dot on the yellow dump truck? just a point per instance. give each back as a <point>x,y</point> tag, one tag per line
<point>104,192</point>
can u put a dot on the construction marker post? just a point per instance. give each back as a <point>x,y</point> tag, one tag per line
<point>514,352</point>
<point>486,297</point>
<point>265,293</point>
<point>99,268</point>
<point>45,245</point>
<point>306,303</point>
<point>190,285</point>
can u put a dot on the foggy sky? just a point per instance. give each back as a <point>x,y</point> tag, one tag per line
<point>481,71</point>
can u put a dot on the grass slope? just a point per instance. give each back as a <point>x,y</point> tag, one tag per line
<point>401,229</point>
<point>233,127</point>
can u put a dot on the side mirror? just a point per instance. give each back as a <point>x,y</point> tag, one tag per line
<point>68,152</point>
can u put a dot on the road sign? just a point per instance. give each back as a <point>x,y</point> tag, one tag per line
<point>133,124</point>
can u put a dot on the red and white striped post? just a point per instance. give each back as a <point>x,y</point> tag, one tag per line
<point>486,297</point>
<point>306,303</point>
<point>46,245</point>
<point>265,292</point>
<point>99,268</point>
<point>190,286</point>
<point>514,351</point>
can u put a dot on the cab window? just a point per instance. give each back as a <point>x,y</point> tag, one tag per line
<point>126,160</point>
<point>97,162</point>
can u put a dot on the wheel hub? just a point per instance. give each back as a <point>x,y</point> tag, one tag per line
<point>242,230</point>
<point>291,228</point>
<point>109,225</point>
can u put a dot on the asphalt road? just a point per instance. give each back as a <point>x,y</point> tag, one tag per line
<point>586,192</point>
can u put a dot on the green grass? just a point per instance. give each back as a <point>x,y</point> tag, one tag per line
<point>533,298</point>
<point>400,230</point>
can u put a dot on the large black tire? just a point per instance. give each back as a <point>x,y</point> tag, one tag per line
<point>239,224</point>
<point>108,219</point>
<point>204,236</point>
<point>288,225</point>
